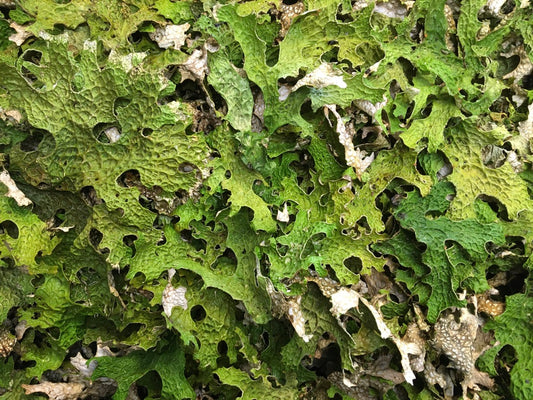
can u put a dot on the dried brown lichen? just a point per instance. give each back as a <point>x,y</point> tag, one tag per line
<point>7,342</point>
<point>57,391</point>
<point>456,340</point>
<point>288,13</point>
<point>524,67</point>
<point>489,306</point>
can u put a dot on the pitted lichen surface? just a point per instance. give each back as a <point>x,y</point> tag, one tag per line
<point>266,199</point>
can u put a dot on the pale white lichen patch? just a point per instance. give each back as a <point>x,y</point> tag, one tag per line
<point>296,317</point>
<point>127,61</point>
<point>391,9</point>
<point>113,134</point>
<point>514,161</point>
<point>89,45</point>
<point>494,6</point>
<point>13,191</point>
<point>173,297</point>
<point>13,116</point>
<point>56,391</point>
<point>526,127</point>
<point>455,339</point>
<point>356,158</point>
<point>369,107</point>
<point>405,346</point>
<point>283,215</point>
<point>21,34</point>
<point>359,5</point>
<point>80,363</point>
<point>524,67</point>
<point>284,306</point>
<point>195,67</point>
<point>284,91</point>
<point>173,36</point>
<point>325,75</point>
<point>288,13</point>
<point>343,300</point>
<point>373,68</point>
<point>7,342</point>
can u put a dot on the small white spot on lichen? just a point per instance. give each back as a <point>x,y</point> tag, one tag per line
<point>170,36</point>
<point>324,75</point>
<point>13,191</point>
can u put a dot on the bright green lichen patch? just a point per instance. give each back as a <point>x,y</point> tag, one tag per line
<point>265,199</point>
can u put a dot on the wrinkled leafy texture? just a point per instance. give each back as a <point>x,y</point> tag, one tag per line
<point>228,171</point>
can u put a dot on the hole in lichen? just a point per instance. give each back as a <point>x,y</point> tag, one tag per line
<point>226,263</point>
<point>107,133</point>
<point>89,196</point>
<point>354,264</point>
<point>135,37</point>
<point>31,62</point>
<point>189,90</point>
<point>10,228</point>
<point>435,164</point>
<point>129,240</point>
<point>222,348</point>
<point>343,14</point>
<point>129,178</point>
<point>32,56</point>
<point>496,206</point>
<point>95,237</point>
<point>31,143</point>
<point>162,240</point>
<point>130,329</point>
<point>198,313</point>
<point>58,218</point>
<point>119,104</point>
<point>328,362</point>
<point>147,132</point>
